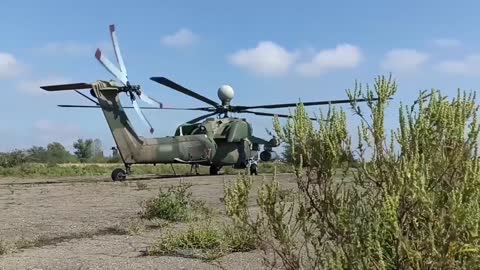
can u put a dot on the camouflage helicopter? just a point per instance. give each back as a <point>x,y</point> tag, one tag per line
<point>215,142</point>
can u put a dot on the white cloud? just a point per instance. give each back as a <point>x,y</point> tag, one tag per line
<point>32,87</point>
<point>343,56</point>
<point>404,60</point>
<point>182,38</point>
<point>470,65</point>
<point>9,66</point>
<point>268,58</point>
<point>447,43</point>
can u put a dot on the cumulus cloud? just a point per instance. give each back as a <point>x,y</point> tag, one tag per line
<point>9,66</point>
<point>447,43</point>
<point>267,58</point>
<point>470,65</point>
<point>404,60</point>
<point>182,38</point>
<point>343,56</point>
<point>32,87</point>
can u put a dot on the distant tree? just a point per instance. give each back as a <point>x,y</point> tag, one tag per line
<point>97,148</point>
<point>37,154</point>
<point>56,153</point>
<point>115,158</point>
<point>12,159</point>
<point>83,149</point>
<point>97,152</point>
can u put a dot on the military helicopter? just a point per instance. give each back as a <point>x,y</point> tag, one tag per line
<point>215,142</point>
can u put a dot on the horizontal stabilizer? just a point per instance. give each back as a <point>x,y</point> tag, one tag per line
<point>71,86</point>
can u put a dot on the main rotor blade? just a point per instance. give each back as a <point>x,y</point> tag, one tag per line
<point>169,83</point>
<point>201,117</point>
<point>70,86</point>
<point>143,108</point>
<point>286,105</point>
<point>116,47</point>
<point>142,116</point>
<point>110,67</point>
<point>272,114</point>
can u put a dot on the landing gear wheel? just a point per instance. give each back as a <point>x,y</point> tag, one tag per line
<point>119,175</point>
<point>214,170</point>
<point>253,169</point>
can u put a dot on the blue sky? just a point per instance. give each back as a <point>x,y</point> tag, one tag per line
<point>268,51</point>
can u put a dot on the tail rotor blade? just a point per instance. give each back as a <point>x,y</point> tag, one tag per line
<point>116,47</point>
<point>142,116</point>
<point>110,67</point>
<point>150,100</point>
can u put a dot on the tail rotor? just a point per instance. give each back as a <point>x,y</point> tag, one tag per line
<point>133,91</point>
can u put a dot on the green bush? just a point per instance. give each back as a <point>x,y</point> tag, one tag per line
<point>205,240</point>
<point>413,203</point>
<point>12,159</point>
<point>174,204</point>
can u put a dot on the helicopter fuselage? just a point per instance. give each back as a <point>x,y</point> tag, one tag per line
<point>213,142</point>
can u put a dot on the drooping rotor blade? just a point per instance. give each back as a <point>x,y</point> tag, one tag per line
<point>142,116</point>
<point>169,83</point>
<point>70,86</point>
<point>85,96</point>
<point>272,114</point>
<point>116,47</point>
<point>110,67</point>
<point>143,108</point>
<point>286,105</point>
<point>201,117</point>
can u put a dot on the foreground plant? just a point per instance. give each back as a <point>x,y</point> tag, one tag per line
<point>205,240</point>
<point>412,203</point>
<point>174,204</point>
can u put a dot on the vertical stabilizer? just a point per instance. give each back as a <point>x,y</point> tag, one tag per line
<point>128,142</point>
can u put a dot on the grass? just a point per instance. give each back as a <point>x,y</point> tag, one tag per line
<point>105,169</point>
<point>174,204</point>
<point>204,238</point>
<point>205,241</point>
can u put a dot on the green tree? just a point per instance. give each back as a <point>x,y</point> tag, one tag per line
<point>56,153</point>
<point>13,158</point>
<point>83,149</point>
<point>37,154</point>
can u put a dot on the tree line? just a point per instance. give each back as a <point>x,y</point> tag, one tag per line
<point>85,150</point>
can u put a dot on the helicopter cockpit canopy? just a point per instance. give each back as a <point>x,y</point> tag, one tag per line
<point>190,129</point>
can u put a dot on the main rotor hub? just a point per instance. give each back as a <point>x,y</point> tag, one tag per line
<point>225,93</point>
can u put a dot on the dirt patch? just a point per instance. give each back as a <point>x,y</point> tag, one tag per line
<point>85,223</point>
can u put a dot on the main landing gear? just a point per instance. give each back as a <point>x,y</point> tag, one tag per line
<point>253,169</point>
<point>120,174</point>
<point>214,169</point>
